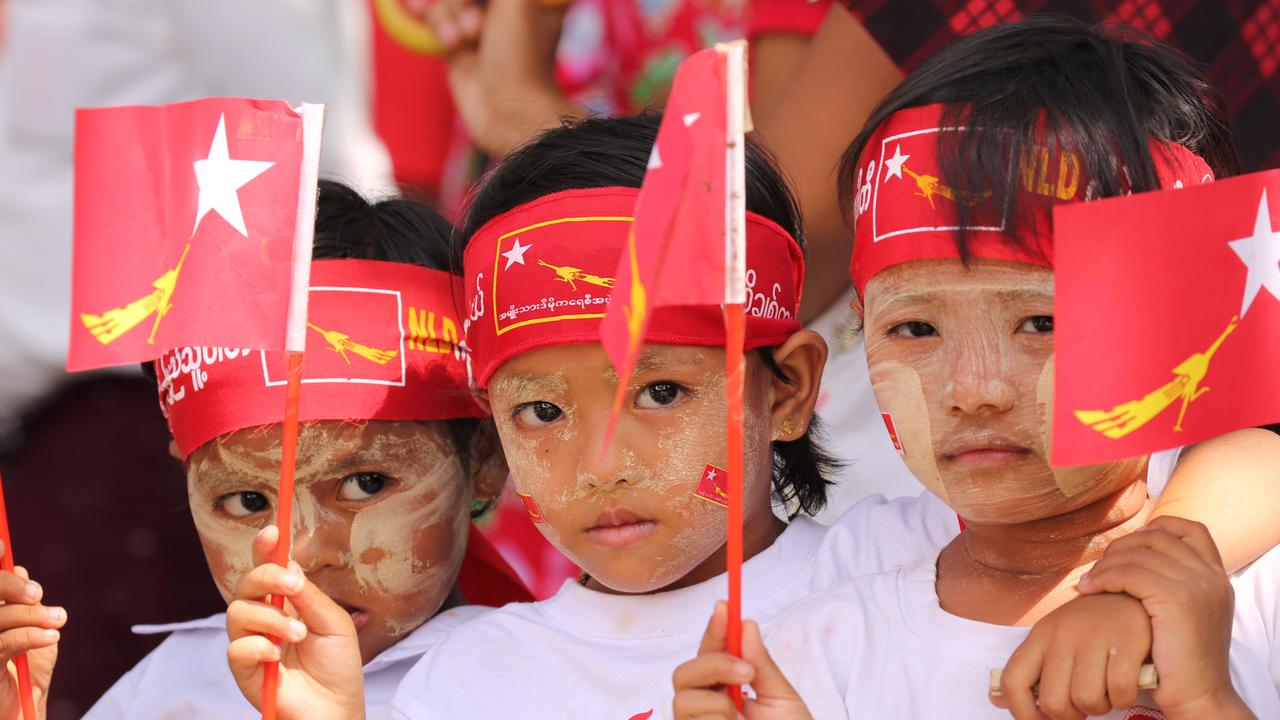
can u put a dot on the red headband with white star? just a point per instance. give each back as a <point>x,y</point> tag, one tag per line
<point>538,275</point>
<point>904,210</point>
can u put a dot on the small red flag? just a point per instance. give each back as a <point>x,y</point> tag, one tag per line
<point>185,218</point>
<point>676,252</point>
<point>1168,318</point>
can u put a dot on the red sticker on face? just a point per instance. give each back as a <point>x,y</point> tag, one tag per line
<point>893,431</point>
<point>531,507</point>
<point>712,486</point>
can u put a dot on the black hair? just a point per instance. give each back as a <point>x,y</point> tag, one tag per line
<point>614,152</point>
<point>1101,92</point>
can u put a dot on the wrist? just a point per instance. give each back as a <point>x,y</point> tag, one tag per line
<point>1225,705</point>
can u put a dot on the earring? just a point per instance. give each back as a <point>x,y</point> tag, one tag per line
<point>788,427</point>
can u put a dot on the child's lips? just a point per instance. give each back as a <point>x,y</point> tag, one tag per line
<point>359,617</point>
<point>619,528</point>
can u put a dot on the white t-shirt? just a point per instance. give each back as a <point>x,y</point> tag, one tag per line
<point>187,676</point>
<point>882,647</point>
<point>854,430</point>
<point>584,654</point>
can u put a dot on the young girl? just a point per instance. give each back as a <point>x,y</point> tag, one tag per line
<point>545,230</point>
<point>952,261</point>
<point>392,461</point>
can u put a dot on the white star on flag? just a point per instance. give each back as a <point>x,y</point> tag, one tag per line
<point>1260,253</point>
<point>219,177</point>
<point>515,254</point>
<point>655,160</point>
<point>894,164</point>
<point>691,118</point>
<point>711,474</point>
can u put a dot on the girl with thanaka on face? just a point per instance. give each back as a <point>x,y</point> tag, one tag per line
<point>952,184</point>
<point>545,231</point>
<point>392,459</point>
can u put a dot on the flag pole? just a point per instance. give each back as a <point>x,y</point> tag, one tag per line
<point>294,344</point>
<point>735,328</point>
<point>25,694</point>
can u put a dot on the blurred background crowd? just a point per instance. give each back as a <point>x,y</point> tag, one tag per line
<point>423,95</point>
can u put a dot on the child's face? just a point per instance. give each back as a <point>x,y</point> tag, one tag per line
<point>962,358</point>
<point>629,516</point>
<point>380,517</point>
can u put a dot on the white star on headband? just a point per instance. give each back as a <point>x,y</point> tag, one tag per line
<point>894,164</point>
<point>515,254</point>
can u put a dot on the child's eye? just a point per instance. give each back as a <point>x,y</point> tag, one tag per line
<point>243,504</point>
<point>658,394</point>
<point>913,329</point>
<point>537,414</point>
<point>362,486</point>
<point>1037,324</point>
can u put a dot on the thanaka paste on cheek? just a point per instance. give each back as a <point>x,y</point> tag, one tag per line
<point>898,391</point>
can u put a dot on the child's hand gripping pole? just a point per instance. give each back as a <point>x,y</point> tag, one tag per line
<point>26,696</point>
<point>1148,679</point>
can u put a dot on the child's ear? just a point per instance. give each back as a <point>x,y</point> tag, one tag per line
<point>174,452</point>
<point>801,358</point>
<point>488,463</point>
<point>482,399</point>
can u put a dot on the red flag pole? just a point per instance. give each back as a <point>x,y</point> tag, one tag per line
<point>735,54</point>
<point>295,343</point>
<point>25,694</point>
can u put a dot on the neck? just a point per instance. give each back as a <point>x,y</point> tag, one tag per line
<point>1057,545</point>
<point>1033,566</point>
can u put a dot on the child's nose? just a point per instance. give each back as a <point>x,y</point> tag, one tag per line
<point>320,544</point>
<point>978,381</point>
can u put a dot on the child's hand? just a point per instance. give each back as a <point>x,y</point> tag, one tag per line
<point>321,674</point>
<point>700,683</point>
<point>1085,656</point>
<point>1174,568</point>
<point>26,626</point>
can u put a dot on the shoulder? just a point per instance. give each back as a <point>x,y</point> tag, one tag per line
<point>878,535</point>
<point>189,663</point>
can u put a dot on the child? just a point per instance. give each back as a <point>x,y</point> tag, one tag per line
<point>952,262</point>
<point>392,461</point>
<point>545,230</point>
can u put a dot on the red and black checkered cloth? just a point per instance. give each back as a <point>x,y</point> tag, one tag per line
<point>1236,41</point>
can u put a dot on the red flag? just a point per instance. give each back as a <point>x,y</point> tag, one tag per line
<point>676,252</point>
<point>1168,310</point>
<point>185,218</point>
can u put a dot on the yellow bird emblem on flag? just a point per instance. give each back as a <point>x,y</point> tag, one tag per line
<point>1188,374</point>
<point>114,323</point>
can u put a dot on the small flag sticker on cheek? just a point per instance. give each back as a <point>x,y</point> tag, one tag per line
<point>893,432</point>
<point>531,507</point>
<point>712,486</point>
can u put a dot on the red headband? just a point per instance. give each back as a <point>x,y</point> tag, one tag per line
<point>538,276</point>
<point>904,212</point>
<point>382,344</point>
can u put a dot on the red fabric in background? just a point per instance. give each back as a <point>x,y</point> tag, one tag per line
<point>412,111</point>
<point>1236,41</point>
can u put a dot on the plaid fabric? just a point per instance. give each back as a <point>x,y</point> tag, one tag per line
<point>1237,41</point>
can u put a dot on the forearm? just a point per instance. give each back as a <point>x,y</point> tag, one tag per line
<point>808,126</point>
<point>1229,484</point>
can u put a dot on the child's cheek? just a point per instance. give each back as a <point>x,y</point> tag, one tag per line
<point>900,393</point>
<point>408,548</point>
<point>227,548</point>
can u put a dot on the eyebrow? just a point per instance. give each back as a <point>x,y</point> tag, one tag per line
<point>653,361</point>
<point>1004,296</point>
